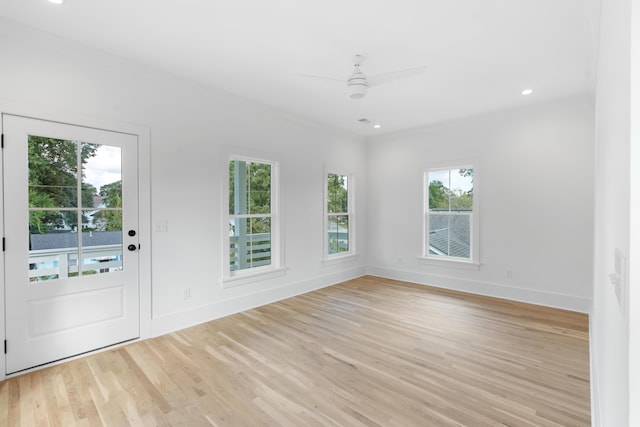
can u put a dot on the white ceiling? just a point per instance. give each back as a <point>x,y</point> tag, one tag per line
<point>479,54</point>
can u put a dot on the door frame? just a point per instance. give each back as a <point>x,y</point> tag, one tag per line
<point>144,207</point>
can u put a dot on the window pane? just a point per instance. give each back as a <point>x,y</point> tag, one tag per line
<point>53,172</point>
<point>332,224</point>
<point>249,188</point>
<point>53,251</point>
<point>102,176</point>
<point>461,187</point>
<point>259,251</point>
<point>102,191</point>
<point>338,233</point>
<point>235,227</point>
<point>337,193</point>
<point>259,188</point>
<point>250,242</point>
<point>102,246</point>
<point>451,189</point>
<point>450,235</point>
<point>439,190</point>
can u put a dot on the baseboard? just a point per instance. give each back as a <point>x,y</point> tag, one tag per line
<point>179,320</point>
<point>532,296</point>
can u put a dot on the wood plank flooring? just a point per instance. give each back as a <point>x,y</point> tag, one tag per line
<point>368,352</point>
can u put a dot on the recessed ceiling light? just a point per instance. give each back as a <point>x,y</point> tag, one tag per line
<point>377,126</point>
<point>56,1</point>
<point>527,92</point>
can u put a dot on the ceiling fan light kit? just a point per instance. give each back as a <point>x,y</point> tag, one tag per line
<point>357,81</point>
<point>357,84</point>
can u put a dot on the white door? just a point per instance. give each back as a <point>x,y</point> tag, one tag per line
<point>71,243</point>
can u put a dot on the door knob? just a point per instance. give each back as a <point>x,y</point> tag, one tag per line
<point>132,247</point>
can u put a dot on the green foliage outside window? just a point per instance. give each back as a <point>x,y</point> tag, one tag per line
<point>111,195</point>
<point>53,184</point>
<point>254,180</point>
<point>441,197</point>
<point>53,172</point>
<point>337,196</point>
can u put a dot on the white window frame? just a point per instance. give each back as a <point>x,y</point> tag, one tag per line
<point>473,262</point>
<point>275,268</point>
<point>346,255</point>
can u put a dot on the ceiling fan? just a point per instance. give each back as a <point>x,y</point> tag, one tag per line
<point>358,83</point>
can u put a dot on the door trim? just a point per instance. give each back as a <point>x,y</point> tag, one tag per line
<point>144,207</point>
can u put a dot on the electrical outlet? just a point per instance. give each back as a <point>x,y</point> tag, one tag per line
<point>508,273</point>
<point>400,260</point>
<point>186,293</point>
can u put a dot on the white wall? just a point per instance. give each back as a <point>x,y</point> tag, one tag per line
<point>634,245</point>
<point>189,124</point>
<point>534,178</point>
<point>613,189</point>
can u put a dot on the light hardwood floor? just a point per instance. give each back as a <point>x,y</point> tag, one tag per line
<point>368,352</point>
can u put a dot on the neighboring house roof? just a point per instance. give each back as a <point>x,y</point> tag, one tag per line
<point>70,240</point>
<point>97,201</point>
<point>454,243</point>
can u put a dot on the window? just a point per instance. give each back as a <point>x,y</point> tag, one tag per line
<point>252,237</point>
<point>339,225</point>
<point>450,226</point>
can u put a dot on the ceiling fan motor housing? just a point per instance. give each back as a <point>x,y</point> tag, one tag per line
<point>357,84</point>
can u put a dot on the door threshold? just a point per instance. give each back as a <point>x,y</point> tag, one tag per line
<point>70,358</point>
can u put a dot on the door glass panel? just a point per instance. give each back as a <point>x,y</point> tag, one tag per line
<point>91,207</point>
<point>53,252</point>
<point>102,247</point>
<point>102,172</point>
<point>53,171</point>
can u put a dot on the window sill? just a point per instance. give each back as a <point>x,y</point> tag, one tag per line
<point>339,259</point>
<point>452,263</point>
<point>247,277</point>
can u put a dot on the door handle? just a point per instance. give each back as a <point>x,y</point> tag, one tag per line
<point>132,247</point>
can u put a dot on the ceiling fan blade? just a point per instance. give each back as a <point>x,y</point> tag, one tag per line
<point>380,79</point>
<point>313,76</point>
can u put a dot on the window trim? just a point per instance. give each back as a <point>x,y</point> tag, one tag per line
<point>328,258</point>
<point>276,268</point>
<point>473,262</point>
